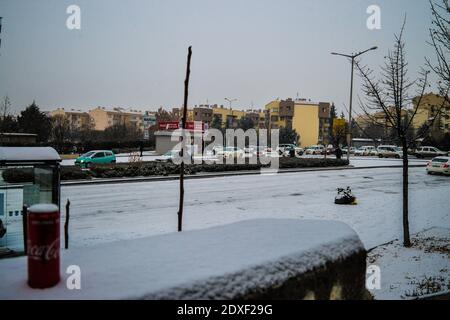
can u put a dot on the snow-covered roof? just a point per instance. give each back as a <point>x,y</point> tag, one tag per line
<point>28,154</point>
<point>217,263</point>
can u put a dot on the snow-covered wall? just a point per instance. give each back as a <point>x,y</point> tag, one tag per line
<point>267,258</point>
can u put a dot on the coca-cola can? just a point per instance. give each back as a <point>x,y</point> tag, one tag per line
<point>43,245</point>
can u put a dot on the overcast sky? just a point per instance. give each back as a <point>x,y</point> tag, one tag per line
<point>132,53</point>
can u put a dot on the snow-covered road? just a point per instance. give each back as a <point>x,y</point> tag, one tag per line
<point>354,160</point>
<point>104,213</point>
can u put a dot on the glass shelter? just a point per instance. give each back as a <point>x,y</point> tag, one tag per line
<point>28,175</point>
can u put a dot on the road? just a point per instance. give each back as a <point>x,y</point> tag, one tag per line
<point>354,160</point>
<point>132,210</point>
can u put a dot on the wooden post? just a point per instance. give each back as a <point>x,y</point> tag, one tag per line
<point>66,226</point>
<point>25,227</point>
<point>185,105</point>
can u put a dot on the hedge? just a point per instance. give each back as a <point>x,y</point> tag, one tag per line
<point>152,168</point>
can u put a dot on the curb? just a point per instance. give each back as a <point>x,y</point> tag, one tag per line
<point>69,183</point>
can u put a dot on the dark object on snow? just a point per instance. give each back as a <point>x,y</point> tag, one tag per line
<point>292,152</point>
<point>141,148</point>
<point>25,228</point>
<point>66,226</point>
<point>2,229</point>
<point>345,196</point>
<point>339,153</point>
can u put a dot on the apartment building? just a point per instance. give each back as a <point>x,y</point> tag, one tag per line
<point>324,122</point>
<point>301,115</point>
<point>77,119</point>
<point>203,113</point>
<point>306,122</point>
<point>432,106</point>
<point>258,118</point>
<point>103,118</point>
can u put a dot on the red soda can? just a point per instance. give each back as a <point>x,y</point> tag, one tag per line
<point>43,245</point>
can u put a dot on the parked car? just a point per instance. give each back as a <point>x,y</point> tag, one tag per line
<point>315,150</point>
<point>367,150</point>
<point>260,151</point>
<point>250,150</point>
<point>345,150</point>
<point>389,152</point>
<point>284,149</point>
<point>439,165</point>
<point>95,157</point>
<point>330,149</point>
<point>373,153</point>
<point>230,152</point>
<point>359,151</point>
<point>429,152</point>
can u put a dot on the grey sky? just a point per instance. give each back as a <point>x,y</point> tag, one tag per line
<point>132,53</point>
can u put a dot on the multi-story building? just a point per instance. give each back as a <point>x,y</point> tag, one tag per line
<point>300,114</point>
<point>77,119</point>
<point>229,117</point>
<point>203,113</point>
<point>258,118</point>
<point>432,107</point>
<point>103,118</point>
<point>306,122</point>
<point>272,115</point>
<point>324,122</point>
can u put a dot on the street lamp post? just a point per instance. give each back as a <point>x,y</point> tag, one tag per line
<point>230,101</point>
<point>352,57</point>
<point>0,31</point>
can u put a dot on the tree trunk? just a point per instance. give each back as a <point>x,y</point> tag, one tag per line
<point>406,239</point>
<point>185,105</point>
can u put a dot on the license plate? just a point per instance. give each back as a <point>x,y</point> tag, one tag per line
<point>436,165</point>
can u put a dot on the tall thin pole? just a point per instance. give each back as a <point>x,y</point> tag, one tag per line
<point>230,101</point>
<point>349,134</point>
<point>1,32</point>
<point>183,144</point>
<point>352,57</point>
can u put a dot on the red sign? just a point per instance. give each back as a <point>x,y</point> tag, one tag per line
<point>195,126</point>
<point>168,125</point>
<point>174,125</point>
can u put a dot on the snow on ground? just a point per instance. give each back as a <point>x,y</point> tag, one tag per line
<point>216,263</point>
<point>408,273</point>
<point>105,213</point>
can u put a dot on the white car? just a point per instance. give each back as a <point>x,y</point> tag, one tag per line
<point>390,152</point>
<point>230,152</point>
<point>315,150</point>
<point>367,150</point>
<point>439,165</point>
<point>352,150</point>
<point>359,151</point>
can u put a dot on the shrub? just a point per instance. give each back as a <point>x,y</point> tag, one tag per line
<point>18,175</point>
<point>74,173</point>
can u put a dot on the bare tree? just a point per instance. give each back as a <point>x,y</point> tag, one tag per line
<point>440,40</point>
<point>5,116</point>
<point>387,102</point>
<point>60,130</point>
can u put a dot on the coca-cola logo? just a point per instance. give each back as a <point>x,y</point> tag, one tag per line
<point>44,252</point>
